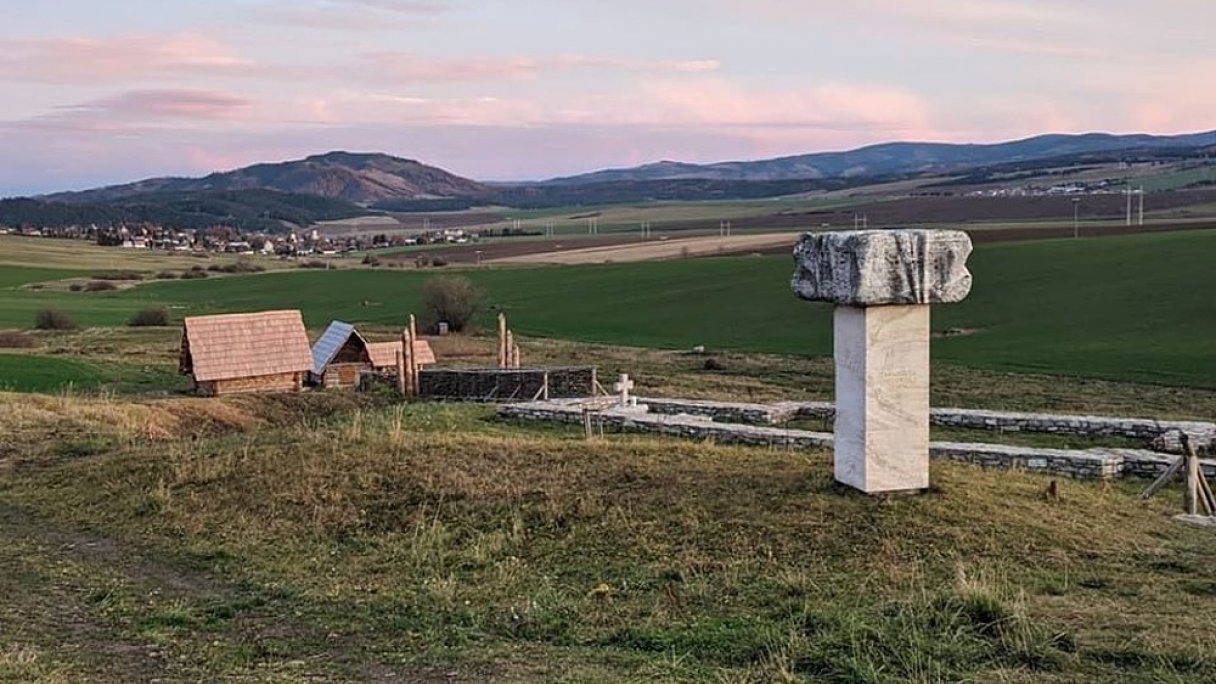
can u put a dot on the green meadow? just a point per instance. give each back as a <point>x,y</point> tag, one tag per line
<point>1127,308</point>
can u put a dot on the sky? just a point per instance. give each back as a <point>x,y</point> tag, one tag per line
<point>95,92</point>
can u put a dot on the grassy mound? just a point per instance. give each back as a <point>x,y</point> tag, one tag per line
<point>423,540</point>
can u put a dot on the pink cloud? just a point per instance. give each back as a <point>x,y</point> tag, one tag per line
<point>93,60</point>
<point>718,102</point>
<point>411,68</point>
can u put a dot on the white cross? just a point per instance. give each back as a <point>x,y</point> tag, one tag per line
<point>623,387</point>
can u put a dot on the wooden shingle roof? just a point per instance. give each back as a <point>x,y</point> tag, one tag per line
<point>245,345</point>
<point>384,354</point>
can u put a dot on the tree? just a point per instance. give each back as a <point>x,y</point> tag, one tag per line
<point>453,299</point>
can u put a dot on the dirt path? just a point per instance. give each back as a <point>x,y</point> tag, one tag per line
<point>659,249</point>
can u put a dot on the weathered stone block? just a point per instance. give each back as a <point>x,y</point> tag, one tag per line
<point>883,267</point>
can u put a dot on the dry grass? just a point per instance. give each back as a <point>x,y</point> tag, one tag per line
<point>478,542</point>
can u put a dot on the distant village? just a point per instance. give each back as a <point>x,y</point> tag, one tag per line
<point>226,240</point>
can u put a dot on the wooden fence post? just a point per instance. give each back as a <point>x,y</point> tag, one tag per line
<point>502,340</point>
<point>401,374</point>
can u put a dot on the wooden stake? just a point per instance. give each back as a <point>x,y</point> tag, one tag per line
<point>1190,492</point>
<point>502,340</point>
<point>515,356</point>
<point>506,356</point>
<point>1203,491</point>
<point>407,351</point>
<point>401,374</point>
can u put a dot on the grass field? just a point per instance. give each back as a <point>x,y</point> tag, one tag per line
<point>324,539</point>
<point>1131,307</point>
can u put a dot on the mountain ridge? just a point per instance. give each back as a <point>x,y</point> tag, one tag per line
<point>891,158</point>
<point>357,177</point>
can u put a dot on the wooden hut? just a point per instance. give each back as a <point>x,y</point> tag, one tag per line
<point>339,355</point>
<point>384,354</point>
<point>254,352</point>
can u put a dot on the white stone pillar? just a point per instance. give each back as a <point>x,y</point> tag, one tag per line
<point>882,397</point>
<point>882,282</point>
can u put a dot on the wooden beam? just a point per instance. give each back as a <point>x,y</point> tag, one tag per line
<point>502,340</point>
<point>1190,492</point>
<point>401,389</point>
<point>1164,478</point>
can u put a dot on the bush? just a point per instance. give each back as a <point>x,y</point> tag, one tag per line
<point>154,317</point>
<point>118,275</point>
<point>371,260</point>
<point>193,274</point>
<point>54,319</point>
<point>314,263</point>
<point>99,286</point>
<point>166,275</point>
<point>75,287</point>
<point>450,298</point>
<point>439,262</point>
<point>16,340</point>
<point>240,266</point>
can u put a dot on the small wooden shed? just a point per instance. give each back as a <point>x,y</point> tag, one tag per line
<point>339,355</point>
<point>253,352</point>
<point>384,354</point>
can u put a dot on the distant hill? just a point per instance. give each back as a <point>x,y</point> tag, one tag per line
<point>256,209</point>
<point>352,177</point>
<point>892,159</point>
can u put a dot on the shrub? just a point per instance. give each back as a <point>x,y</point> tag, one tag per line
<point>439,262</point>
<point>11,339</point>
<point>166,275</point>
<point>193,274</point>
<point>153,317</point>
<point>314,263</point>
<point>240,266</point>
<point>99,286</point>
<point>371,260</point>
<point>118,275</point>
<point>75,287</point>
<point>54,319</point>
<point>450,298</point>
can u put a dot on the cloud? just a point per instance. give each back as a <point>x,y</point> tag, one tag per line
<point>403,67</point>
<point>136,111</point>
<point>87,61</point>
<point>401,6</point>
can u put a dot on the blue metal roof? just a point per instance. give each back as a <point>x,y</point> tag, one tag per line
<point>329,344</point>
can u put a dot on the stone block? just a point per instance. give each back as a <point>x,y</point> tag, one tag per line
<point>883,267</point>
<point>882,395</point>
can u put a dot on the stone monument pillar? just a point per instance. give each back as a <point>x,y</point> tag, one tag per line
<point>882,283</point>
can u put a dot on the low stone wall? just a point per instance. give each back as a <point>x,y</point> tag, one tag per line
<point>1162,432</point>
<point>1079,463</point>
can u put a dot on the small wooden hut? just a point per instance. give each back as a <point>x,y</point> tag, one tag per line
<point>384,354</point>
<point>339,355</point>
<point>254,352</point>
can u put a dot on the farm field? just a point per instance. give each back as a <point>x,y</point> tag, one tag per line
<point>1130,307</point>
